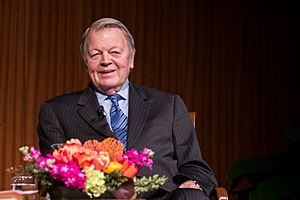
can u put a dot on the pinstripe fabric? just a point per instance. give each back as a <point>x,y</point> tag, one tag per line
<point>119,121</point>
<point>156,120</point>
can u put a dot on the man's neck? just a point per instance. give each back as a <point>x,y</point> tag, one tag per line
<point>111,91</point>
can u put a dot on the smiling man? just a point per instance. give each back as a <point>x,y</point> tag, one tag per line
<point>112,106</point>
<point>108,59</point>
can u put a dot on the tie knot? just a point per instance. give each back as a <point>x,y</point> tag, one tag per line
<point>115,98</point>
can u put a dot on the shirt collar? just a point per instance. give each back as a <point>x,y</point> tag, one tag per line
<point>123,93</point>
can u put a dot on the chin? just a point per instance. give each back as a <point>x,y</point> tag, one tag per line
<point>106,87</point>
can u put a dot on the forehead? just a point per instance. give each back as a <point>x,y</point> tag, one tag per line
<point>104,34</point>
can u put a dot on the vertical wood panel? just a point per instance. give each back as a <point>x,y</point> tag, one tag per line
<point>223,57</point>
<point>53,62</point>
<point>12,85</point>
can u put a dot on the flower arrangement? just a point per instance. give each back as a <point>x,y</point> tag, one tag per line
<point>93,167</point>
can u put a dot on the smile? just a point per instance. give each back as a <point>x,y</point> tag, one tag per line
<point>106,71</point>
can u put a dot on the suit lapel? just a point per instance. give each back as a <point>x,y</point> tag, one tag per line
<point>88,105</point>
<point>138,113</point>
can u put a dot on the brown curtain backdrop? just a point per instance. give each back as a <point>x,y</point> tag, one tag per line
<point>230,61</point>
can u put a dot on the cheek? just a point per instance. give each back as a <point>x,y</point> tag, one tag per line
<point>125,65</point>
<point>124,72</point>
<point>92,64</point>
<point>88,69</point>
<point>91,67</point>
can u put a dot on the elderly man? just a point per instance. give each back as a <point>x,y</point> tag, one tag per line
<point>146,117</point>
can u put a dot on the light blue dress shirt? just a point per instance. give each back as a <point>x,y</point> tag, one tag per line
<point>106,103</point>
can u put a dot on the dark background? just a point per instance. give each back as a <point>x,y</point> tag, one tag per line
<point>231,61</point>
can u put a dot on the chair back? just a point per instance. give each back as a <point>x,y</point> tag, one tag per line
<point>193,117</point>
<point>218,193</point>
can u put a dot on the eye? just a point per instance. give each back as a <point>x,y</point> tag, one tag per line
<point>115,52</point>
<point>94,56</point>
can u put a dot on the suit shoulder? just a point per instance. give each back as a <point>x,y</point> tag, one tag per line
<point>68,98</point>
<point>152,92</point>
<point>157,96</point>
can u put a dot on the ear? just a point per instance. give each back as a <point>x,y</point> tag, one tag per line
<point>131,62</point>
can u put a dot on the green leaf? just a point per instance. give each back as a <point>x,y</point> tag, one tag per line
<point>144,184</point>
<point>252,164</point>
<point>292,132</point>
<point>275,187</point>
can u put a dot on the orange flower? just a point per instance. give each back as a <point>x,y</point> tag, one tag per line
<point>113,146</point>
<point>113,166</point>
<point>66,153</point>
<point>91,144</point>
<point>101,161</point>
<point>129,170</point>
<point>85,157</point>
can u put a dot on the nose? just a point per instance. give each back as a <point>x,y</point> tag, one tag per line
<point>105,61</point>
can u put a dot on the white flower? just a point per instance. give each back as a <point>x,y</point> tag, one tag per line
<point>95,183</point>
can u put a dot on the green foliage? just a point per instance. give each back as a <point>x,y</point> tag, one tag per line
<point>145,184</point>
<point>271,177</point>
<point>292,132</point>
<point>115,180</point>
<point>275,188</point>
<point>252,165</point>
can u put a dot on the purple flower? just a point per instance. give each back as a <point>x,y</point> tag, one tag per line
<point>35,154</point>
<point>142,159</point>
<point>70,174</point>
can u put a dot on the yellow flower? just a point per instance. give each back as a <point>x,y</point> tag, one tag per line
<point>95,182</point>
<point>113,166</point>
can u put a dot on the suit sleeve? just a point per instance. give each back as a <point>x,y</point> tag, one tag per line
<point>190,163</point>
<point>49,129</point>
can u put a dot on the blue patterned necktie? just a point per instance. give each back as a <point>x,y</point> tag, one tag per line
<point>119,121</point>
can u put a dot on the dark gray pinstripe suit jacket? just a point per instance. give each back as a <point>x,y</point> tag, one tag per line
<point>157,120</point>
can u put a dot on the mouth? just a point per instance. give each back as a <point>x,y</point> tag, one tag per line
<point>106,71</point>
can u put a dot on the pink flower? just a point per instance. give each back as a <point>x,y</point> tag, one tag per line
<point>66,164</point>
<point>142,159</point>
<point>66,153</point>
<point>70,174</point>
<point>35,154</point>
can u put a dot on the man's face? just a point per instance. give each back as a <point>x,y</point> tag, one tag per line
<point>108,59</point>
